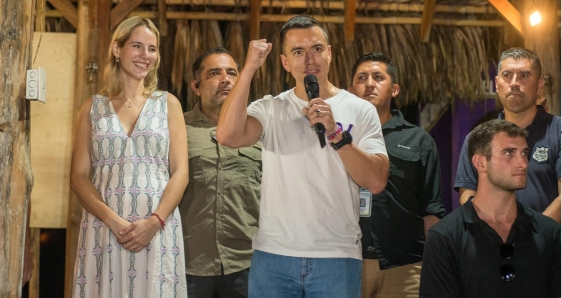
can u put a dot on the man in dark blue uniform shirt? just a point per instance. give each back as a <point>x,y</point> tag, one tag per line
<point>518,84</point>
<point>394,234</point>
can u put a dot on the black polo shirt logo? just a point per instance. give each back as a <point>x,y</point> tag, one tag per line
<point>541,154</point>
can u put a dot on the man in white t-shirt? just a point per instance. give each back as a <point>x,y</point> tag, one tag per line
<point>308,242</point>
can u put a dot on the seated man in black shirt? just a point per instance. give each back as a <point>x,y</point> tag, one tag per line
<point>492,246</point>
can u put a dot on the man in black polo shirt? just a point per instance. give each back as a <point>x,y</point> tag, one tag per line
<point>393,235</point>
<point>493,246</point>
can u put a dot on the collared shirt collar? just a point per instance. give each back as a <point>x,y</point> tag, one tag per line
<point>396,120</point>
<point>541,113</point>
<point>196,115</point>
<point>524,215</point>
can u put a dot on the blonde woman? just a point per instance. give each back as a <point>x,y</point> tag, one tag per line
<point>132,138</point>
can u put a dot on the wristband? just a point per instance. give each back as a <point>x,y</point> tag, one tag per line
<point>334,134</point>
<point>158,216</point>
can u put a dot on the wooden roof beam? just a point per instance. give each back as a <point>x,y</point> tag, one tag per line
<point>255,13</point>
<point>67,9</point>
<point>120,12</point>
<point>426,20</point>
<point>510,14</point>
<point>273,18</point>
<point>349,19</point>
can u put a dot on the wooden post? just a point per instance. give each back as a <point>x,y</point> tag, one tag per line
<point>35,234</point>
<point>84,86</point>
<point>16,180</point>
<point>544,40</point>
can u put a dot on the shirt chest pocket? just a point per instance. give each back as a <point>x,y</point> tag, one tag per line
<point>249,163</point>
<point>405,163</point>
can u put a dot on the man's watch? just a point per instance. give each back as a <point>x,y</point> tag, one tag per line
<point>346,138</point>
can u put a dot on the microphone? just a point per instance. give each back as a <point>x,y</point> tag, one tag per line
<point>313,91</point>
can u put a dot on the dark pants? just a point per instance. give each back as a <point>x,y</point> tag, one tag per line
<point>234,285</point>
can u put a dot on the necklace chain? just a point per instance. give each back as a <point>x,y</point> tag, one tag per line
<point>129,100</point>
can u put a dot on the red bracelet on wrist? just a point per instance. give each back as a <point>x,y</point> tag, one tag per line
<point>158,216</point>
<point>334,134</point>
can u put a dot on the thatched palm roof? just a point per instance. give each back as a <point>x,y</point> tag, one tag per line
<point>450,66</point>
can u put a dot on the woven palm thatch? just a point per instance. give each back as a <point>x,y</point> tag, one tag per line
<point>452,65</point>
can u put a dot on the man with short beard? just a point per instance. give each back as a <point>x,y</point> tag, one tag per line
<point>220,206</point>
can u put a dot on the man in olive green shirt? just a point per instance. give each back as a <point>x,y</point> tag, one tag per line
<point>220,206</point>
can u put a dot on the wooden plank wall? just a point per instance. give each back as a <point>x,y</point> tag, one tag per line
<point>51,130</point>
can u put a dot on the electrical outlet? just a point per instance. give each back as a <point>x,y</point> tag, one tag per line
<point>36,85</point>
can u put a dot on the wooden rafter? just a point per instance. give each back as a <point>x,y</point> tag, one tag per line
<point>426,20</point>
<point>269,18</point>
<point>67,9</point>
<point>510,14</point>
<point>349,19</point>
<point>335,4</point>
<point>120,12</point>
<point>255,12</point>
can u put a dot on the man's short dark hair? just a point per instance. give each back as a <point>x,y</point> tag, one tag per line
<point>198,64</point>
<point>521,53</point>
<point>377,57</point>
<point>300,22</point>
<point>480,139</point>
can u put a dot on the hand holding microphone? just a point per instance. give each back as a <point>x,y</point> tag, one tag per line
<point>313,91</point>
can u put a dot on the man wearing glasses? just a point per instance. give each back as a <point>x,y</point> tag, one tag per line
<point>220,206</point>
<point>493,246</point>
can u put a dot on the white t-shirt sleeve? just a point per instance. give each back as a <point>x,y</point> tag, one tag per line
<point>370,137</point>
<point>259,110</point>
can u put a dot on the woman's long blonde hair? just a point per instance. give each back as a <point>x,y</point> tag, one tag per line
<point>110,84</point>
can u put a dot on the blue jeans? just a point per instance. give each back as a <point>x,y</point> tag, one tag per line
<point>276,276</point>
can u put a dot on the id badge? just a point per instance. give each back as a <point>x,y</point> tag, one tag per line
<point>364,203</point>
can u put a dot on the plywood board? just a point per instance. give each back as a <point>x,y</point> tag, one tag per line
<point>51,130</point>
